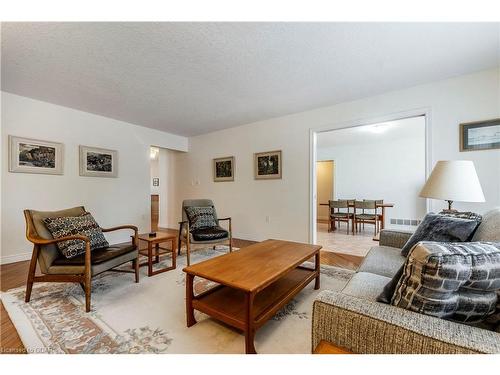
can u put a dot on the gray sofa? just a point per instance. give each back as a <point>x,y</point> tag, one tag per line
<point>354,320</point>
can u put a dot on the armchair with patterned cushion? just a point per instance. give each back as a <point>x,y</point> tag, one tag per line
<point>69,252</point>
<point>199,219</point>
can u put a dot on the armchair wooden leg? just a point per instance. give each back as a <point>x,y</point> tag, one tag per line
<point>230,245</point>
<point>88,288</point>
<point>188,252</point>
<point>88,291</point>
<point>179,245</point>
<point>31,273</point>
<point>135,264</point>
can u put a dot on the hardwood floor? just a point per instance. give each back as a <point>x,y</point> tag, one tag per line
<point>14,275</point>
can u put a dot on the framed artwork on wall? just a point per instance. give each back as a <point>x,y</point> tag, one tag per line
<point>480,135</point>
<point>156,181</point>
<point>98,162</point>
<point>28,155</point>
<point>267,165</point>
<point>224,169</point>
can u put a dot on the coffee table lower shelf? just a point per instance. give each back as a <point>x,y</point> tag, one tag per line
<point>246,311</point>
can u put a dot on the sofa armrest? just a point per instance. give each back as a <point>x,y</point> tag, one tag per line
<point>394,238</point>
<point>364,326</point>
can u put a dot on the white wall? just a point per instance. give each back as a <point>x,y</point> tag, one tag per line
<point>112,201</point>
<point>286,201</point>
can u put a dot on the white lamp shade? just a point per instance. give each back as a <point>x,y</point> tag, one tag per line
<point>454,180</point>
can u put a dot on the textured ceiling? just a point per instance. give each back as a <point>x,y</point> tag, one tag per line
<point>193,78</point>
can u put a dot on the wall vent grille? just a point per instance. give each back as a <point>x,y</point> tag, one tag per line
<point>405,222</point>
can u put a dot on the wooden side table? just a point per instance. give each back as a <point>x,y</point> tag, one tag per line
<point>325,347</point>
<point>155,241</point>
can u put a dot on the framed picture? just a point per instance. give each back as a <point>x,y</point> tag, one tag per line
<point>267,165</point>
<point>156,181</point>
<point>224,169</point>
<point>480,135</point>
<point>35,156</point>
<point>98,162</point>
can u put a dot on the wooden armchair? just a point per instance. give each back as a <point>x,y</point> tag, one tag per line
<point>187,236</point>
<point>80,269</point>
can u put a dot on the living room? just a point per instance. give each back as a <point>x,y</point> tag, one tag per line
<point>224,123</point>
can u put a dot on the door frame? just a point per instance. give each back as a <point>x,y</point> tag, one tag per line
<point>313,132</point>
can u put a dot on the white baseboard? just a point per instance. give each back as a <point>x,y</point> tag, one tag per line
<point>15,258</point>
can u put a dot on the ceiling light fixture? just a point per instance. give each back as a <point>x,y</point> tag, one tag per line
<point>154,153</point>
<point>377,128</point>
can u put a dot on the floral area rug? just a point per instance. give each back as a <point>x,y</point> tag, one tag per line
<point>149,317</point>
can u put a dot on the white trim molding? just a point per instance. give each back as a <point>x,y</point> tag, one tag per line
<point>15,258</point>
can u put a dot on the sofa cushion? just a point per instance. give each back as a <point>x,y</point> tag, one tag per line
<point>201,217</point>
<point>83,224</point>
<point>365,285</point>
<point>440,228</point>
<point>489,229</point>
<point>390,288</point>
<point>456,281</point>
<point>209,234</point>
<point>98,256</point>
<point>383,261</point>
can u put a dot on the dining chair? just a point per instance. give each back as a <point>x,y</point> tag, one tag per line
<point>368,214</point>
<point>379,215</point>
<point>337,215</point>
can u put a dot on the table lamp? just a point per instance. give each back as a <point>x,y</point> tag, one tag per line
<point>453,180</point>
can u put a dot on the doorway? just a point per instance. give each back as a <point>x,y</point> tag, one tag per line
<point>325,174</point>
<point>162,188</point>
<point>384,159</point>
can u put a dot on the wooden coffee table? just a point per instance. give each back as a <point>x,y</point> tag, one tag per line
<point>255,282</point>
<point>158,251</point>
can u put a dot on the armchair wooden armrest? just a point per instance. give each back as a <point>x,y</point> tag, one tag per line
<point>120,227</point>
<point>229,226</point>
<point>181,223</point>
<point>43,241</point>
<point>133,227</point>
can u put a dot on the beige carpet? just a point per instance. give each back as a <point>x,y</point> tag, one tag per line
<point>149,317</point>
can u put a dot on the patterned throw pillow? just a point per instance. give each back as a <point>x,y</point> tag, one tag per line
<point>71,225</point>
<point>441,228</point>
<point>462,215</point>
<point>201,217</point>
<point>456,281</point>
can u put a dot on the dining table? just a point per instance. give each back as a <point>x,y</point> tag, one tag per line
<point>382,206</point>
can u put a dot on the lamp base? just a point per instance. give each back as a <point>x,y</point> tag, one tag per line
<point>450,209</point>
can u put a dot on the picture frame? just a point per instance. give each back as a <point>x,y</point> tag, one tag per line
<point>156,181</point>
<point>223,169</point>
<point>267,165</point>
<point>98,162</point>
<point>480,135</point>
<point>27,155</point>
